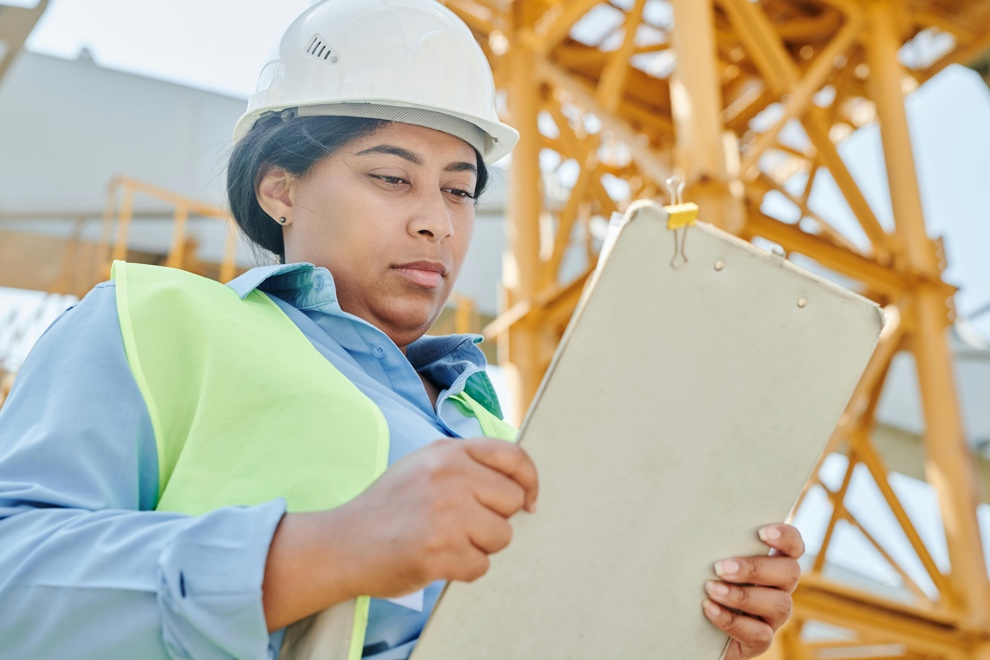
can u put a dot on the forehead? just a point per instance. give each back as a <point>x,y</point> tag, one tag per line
<point>427,143</point>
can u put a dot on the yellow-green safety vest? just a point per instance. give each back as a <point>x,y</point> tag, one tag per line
<point>245,409</point>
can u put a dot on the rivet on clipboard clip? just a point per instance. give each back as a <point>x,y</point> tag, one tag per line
<point>680,216</point>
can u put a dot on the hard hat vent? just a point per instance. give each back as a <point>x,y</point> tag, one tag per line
<point>319,49</point>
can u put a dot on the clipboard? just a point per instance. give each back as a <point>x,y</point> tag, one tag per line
<point>684,409</point>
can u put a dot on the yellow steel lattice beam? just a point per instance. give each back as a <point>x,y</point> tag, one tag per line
<point>715,91</point>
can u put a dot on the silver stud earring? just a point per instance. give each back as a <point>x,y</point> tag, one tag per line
<point>281,221</point>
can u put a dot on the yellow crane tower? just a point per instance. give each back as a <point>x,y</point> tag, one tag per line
<point>638,90</point>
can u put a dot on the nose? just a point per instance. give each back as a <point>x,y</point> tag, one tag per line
<point>430,216</point>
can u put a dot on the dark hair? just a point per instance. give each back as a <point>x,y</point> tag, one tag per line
<point>295,146</point>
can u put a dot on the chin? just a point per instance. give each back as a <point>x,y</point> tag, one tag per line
<point>412,320</point>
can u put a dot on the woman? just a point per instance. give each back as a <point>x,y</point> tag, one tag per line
<point>162,428</point>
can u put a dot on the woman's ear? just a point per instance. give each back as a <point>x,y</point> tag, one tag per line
<point>274,193</point>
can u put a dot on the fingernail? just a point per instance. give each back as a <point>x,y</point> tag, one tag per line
<point>725,568</point>
<point>711,608</point>
<point>716,589</point>
<point>532,507</point>
<point>769,534</point>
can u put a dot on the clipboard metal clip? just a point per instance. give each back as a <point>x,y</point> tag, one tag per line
<point>680,216</point>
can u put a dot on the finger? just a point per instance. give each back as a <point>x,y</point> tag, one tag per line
<point>469,566</point>
<point>510,460</point>
<point>785,539</point>
<point>489,531</point>
<point>751,637</point>
<point>496,491</point>
<point>778,571</point>
<point>771,605</point>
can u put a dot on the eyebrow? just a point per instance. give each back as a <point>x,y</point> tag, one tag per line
<point>461,166</point>
<point>405,154</point>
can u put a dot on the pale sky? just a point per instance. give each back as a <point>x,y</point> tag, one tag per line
<point>212,44</point>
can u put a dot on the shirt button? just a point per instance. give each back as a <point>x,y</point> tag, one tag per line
<point>318,282</point>
<point>378,351</point>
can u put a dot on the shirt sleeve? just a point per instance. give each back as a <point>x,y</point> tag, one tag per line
<point>87,568</point>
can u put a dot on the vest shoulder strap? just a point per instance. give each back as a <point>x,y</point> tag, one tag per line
<point>491,425</point>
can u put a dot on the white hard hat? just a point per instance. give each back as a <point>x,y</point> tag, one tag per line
<point>410,61</point>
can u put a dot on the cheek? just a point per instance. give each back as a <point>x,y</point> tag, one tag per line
<point>359,239</point>
<point>359,254</point>
<point>462,240</point>
<point>469,221</point>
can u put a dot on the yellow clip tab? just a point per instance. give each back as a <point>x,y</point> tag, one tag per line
<point>681,215</point>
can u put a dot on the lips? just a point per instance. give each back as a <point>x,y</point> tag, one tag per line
<point>426,274</point>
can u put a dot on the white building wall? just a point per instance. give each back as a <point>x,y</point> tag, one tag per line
<point>67,127</point>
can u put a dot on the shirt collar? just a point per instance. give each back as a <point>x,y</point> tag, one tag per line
<point>455,363</point>
<point>428,349</point>
<point>302,285</point>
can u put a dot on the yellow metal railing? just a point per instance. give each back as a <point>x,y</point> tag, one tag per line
<point>83,268</point>
<point>120,211</point>
<point>466,317</point>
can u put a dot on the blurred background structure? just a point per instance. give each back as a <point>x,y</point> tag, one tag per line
<point>844,132</point>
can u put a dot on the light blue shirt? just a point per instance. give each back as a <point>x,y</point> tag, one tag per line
<point>89,570</point>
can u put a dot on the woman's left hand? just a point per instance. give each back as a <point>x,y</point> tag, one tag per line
<point>751,598</point>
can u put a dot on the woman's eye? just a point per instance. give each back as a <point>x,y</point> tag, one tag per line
<point>391,180</point>
<point>457,192</point>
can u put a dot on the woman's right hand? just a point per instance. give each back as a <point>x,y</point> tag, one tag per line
<point>436,514</point>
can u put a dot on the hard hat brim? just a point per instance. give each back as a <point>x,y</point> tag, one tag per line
<point>494,141</point>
